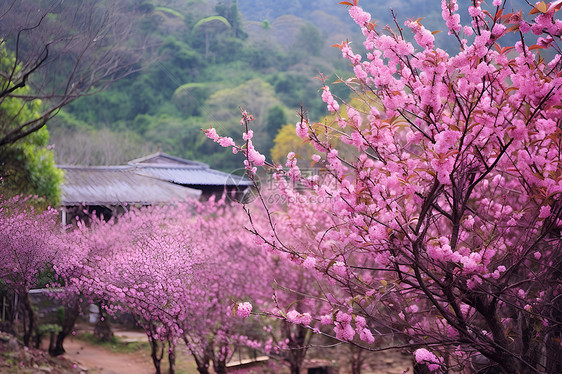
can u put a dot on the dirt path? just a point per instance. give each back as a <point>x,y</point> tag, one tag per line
<point>101,361</point>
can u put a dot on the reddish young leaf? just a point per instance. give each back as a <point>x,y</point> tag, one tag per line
<point>498,15</point>
<point>539,8</point>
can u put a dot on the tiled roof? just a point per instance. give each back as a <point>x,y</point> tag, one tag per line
<point>185,172</point>
<point>117,185</point>
<point>161,158</point>
<point>153,179</point>
<point>194,176</point>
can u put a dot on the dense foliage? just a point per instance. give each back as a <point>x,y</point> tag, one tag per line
<point>28,166</point>
<point>429,219</point>
<point>184,273</point>
<point>435,208</point>
<point>205,53</point>
<point>29,246</point>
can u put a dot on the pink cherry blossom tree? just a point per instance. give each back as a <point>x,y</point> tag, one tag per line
<point>297,291</point>
<point>118,265</point>
<point>233,269</point>
<point>444,202</point>
<point>138,265</point>
<point>178,269</point>
<point>29,244</point>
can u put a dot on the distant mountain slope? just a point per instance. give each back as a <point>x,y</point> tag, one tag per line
<point>335,23</point>
<point>259,10</point>
<point>207,56</point>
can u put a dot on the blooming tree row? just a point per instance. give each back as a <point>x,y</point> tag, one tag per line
<point>185,273</point>
<point>29,245</point>
<point>436,210</point>
<point>175,269</point>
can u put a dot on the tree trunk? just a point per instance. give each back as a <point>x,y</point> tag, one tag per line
<point>219,366</point>
<point>102,330</point>
<point>156,352</point>
<point>171,357</point>
<point>67,324</point>
<point>202,362</point>
<point>29,319</point>
<point>202,368</point>
<point>356,358</point>
<point>52,342</point>
<point>37,338</point>
<point>220,353</point>
<point>8,315</point>
<point>298,341</point>
<point>356,367</point>
<point>295,368</point>
<point>8,306</point>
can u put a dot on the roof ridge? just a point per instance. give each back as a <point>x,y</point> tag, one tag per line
<point>96,167</point>
<point>179,160</point>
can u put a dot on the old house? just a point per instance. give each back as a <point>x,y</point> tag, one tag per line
<point>155,179</point>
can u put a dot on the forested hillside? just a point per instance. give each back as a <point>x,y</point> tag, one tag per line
<point>208,58</point>
<point>207,61</point>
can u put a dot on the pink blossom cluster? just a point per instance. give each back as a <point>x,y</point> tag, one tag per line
<point>359,16</point>
<point>302,130</point>
<point>243,310</point>
<point>299,318</point>
<point>444,180</point>
<point>423,37</point>
<point>176,269</point>
<point>450,15</point>
<point>327,97</point>
<point>423,356</point>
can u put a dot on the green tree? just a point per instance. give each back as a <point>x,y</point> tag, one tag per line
<point>190,97</point>
<point>276,118</point>
<point>287,141</point>
<point>26,167</point>
<point>231,13</point>
<point>309,41</point>
<point>63,51</point>
<point>210,27</point>
<point>255,95</point>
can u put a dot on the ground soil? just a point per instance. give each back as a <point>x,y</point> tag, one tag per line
<point>82,357</point>
<point>17,359</point>
<point>103,360</point>
<point>100,360</point>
